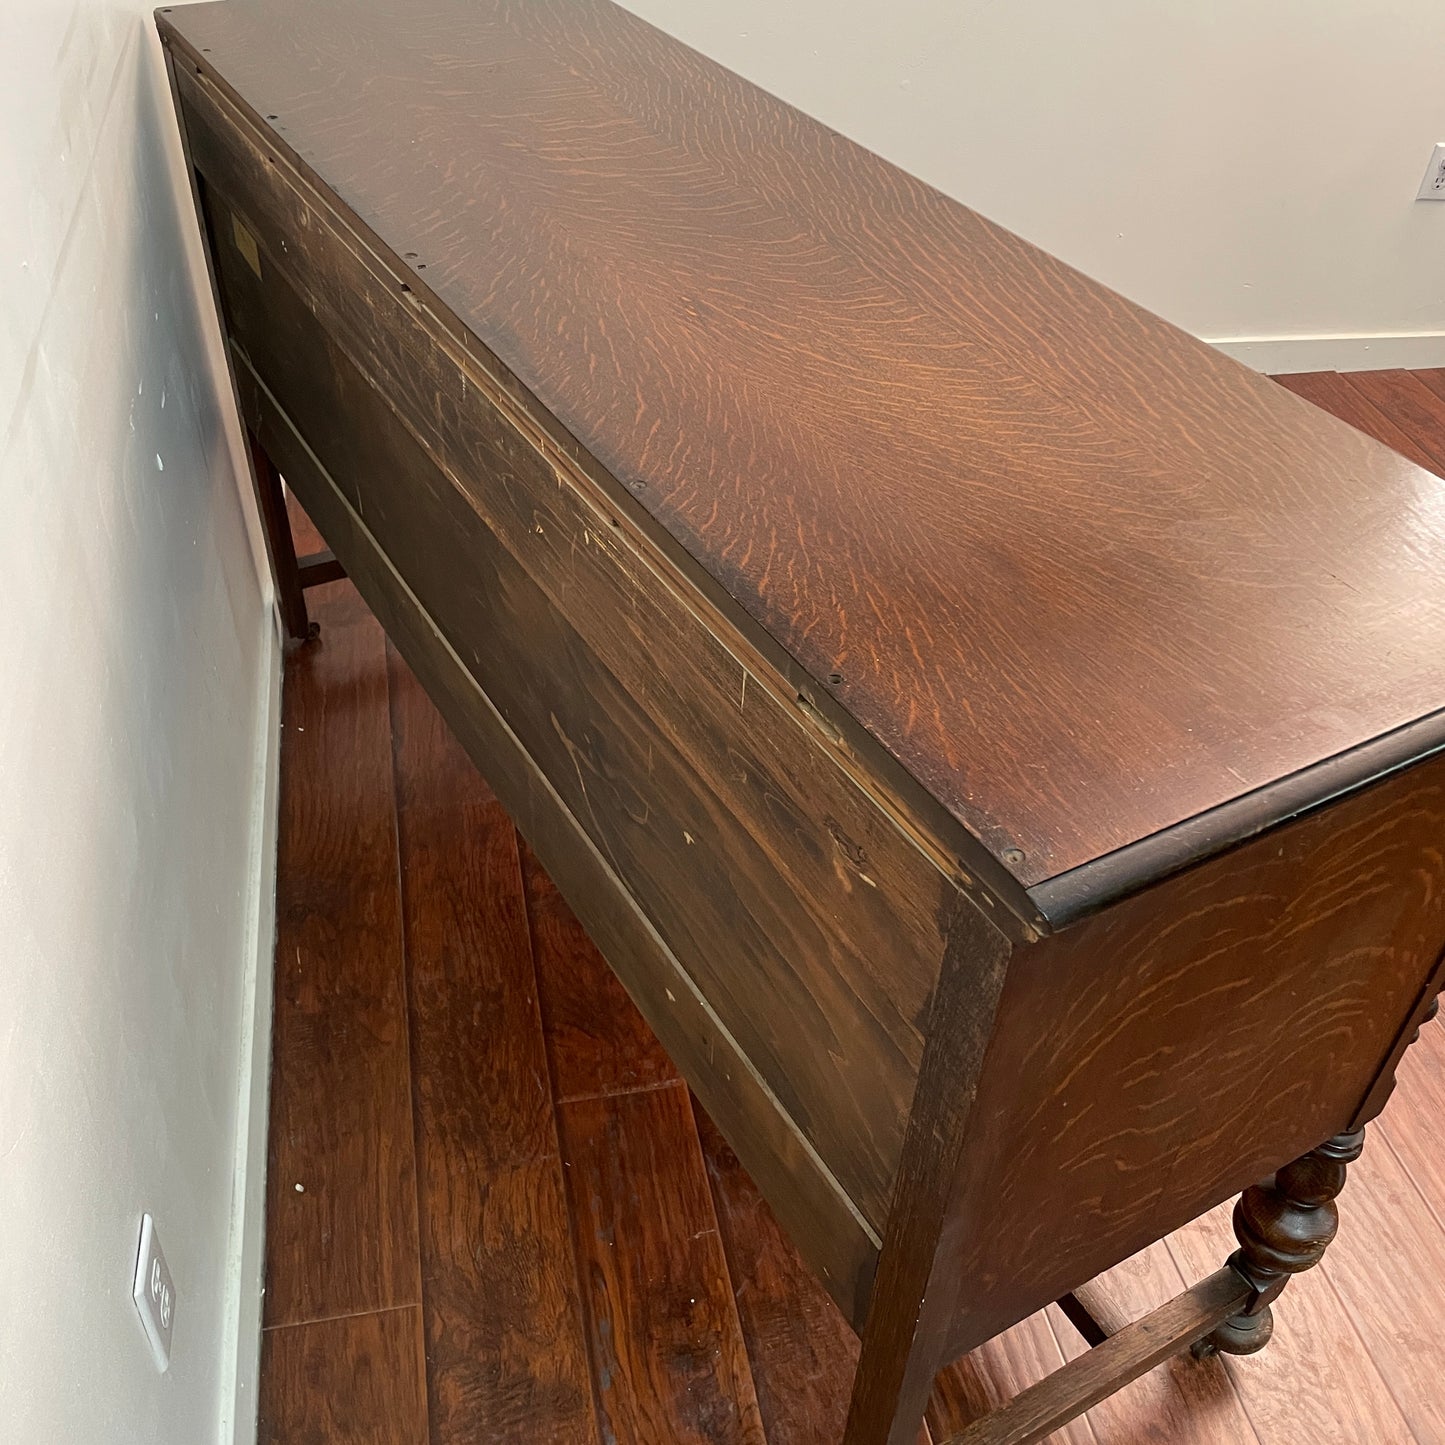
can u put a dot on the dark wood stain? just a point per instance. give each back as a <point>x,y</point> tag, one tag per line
<point>802,1352</point>
<point>506,1352</point>
<point>795,906</point>
<point>667,1348</point>
<point>993,1374</point>
<point>922,1285</point>
<point>1051,544</point>
<point>992,739</point>
<point>361,1379</point>
<point>345,1240</point>
<point>819,1217</point>
<point>1317,1380</point>
<point>1185,1401</point>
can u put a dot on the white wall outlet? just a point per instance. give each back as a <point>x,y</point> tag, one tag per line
<point>154,1294</point>
<point>1432,188</point>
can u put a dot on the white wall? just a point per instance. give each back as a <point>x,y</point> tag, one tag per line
<point>137,663</point>
<point>1245,168</point>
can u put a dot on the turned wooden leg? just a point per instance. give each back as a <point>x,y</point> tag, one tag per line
<point>285,570</point>
<point>1283,1228</point>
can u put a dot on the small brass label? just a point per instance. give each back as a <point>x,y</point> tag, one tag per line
<point>246,245</point>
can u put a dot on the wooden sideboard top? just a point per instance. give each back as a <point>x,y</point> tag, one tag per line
<point>1080,575</point>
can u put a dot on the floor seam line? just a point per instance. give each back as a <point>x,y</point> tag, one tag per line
<point>344,1315</point>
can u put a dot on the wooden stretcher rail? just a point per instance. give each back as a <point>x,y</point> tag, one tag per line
<point>318,568</point>
<point>1110,1365</point>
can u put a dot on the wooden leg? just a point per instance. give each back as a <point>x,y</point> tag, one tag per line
<point>277,527</point>
<point>916,1288</point>
<point>1284,1227</point>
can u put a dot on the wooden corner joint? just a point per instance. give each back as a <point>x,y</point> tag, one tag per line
<point>318,568</point>
<point>1112,1363</point>
<point>1284,1225</point>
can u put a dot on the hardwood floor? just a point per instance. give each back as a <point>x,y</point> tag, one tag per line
<point>495,1214</point>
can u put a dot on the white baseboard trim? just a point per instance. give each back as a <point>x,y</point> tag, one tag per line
<point>245,1273</point>
<point>1280,354</point>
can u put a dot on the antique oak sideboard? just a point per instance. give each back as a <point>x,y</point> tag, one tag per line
<point>997,741</point>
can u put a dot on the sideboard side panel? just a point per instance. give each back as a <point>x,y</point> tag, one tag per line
<point>1163,1055</point>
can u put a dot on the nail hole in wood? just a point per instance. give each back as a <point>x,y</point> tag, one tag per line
<point>835,678</point>
<point>1013,855</point>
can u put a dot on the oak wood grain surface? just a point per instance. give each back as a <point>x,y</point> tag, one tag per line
<point>647,728</point>
<point>1269,968</point>
<point>1078,574</point>
<point>434,499</point>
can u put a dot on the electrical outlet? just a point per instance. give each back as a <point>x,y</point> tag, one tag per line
<point>1432,188</point>
<point>154,1294</point>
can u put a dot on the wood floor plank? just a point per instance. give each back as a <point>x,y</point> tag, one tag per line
<point>667,1348</point>
<point>304,536</point>
<point>1387,1265</point>
<point>1413,1118</point>
<point>597,1041</point>
<point>802,1351</point>
<point>1432,378</point>
<point>341,1191</point>
<point>1316,1379</point>
<point>1411,406</point>
<point>359,1380</point>
<point>997,1371</point>
<point>1182,1400</point>
<point>502,1309</point>
<point>1335,394</point>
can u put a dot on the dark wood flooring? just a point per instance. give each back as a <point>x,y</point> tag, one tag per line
<point>496,1215</point>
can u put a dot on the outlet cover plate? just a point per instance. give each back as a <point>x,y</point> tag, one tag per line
<point>154,1293</point>
<point>1432,188</point>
